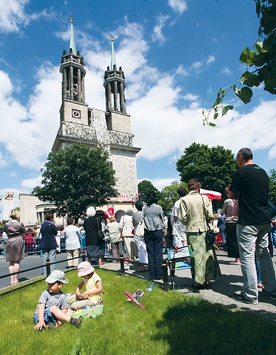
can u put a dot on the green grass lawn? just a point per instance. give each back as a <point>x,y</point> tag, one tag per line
<point>171,324</point>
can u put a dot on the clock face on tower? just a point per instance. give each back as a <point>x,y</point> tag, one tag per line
<point>76,113</point>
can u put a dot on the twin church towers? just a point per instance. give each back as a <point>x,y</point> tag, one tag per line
<point>111,128</point>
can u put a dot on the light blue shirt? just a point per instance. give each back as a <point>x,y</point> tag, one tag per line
<point>153,217</point>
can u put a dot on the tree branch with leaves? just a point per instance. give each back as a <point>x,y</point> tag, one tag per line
<point>260,61</point>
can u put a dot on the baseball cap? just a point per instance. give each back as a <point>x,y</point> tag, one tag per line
<point>55,276</point>
<point>85,268</point>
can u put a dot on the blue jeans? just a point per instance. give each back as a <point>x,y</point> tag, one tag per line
<point>48,317</point>
<point>258,270</point>
<point>273,236</point>
<point>153,240</point>
<point>51,255</point>
<point>253,239</point>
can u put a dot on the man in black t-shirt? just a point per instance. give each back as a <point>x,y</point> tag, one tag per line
<point>250,186</point>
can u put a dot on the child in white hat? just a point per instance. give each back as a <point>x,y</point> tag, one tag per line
<point>92,295</point>
<point>52,309</point>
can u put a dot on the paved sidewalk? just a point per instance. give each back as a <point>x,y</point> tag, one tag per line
<point>222,290</point>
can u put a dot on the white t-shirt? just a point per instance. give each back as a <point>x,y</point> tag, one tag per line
<point>72,237</point>
<point>179,229</point>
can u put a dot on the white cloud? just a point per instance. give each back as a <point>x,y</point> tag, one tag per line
<point>178,6</point>
<point>182,71</point>
<point>3,161</point>
<point>29,184</point>
<point>12,15</point>
<point>190,97</point>
<point>210,59</point>
<point>32,128</point>
<point>272,152</point>
<point>226,71</point>
<point>157,30</point>
<point>198,65</point>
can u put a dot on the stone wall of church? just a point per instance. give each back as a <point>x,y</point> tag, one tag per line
<point>119,122</point>
<point>124,164</point>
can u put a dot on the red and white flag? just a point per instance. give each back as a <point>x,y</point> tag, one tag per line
<point>212,195</point>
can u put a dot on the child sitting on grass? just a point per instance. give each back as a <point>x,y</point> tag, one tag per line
<point>93,288</point>
<point>52,309</point>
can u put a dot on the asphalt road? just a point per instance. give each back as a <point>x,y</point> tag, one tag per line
<point>29,262</point>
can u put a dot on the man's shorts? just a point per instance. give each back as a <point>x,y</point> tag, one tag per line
<point>48,317</point>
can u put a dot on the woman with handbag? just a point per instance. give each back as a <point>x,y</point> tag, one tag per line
<point>95,246</point>
<point>154,224</point>
<point>196,212</point>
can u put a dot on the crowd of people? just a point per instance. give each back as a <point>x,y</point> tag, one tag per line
<point>243,229</point>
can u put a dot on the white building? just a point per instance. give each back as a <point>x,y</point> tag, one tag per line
<point>81,124</point>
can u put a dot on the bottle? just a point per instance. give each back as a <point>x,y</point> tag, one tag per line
<point>151,287</point>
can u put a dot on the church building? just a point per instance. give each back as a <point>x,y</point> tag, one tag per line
<point>81,124</point>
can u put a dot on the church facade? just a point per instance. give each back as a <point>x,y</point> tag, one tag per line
<point>110,129</point>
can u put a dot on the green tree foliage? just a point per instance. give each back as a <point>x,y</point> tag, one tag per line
<point>214,167</point>
<point>272,186</point>
<point>169,195</point>
<point>260,61</point>
<point>75,178</point>
<point>145,189</point>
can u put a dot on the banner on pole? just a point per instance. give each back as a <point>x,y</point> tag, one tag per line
<point>8,204</point>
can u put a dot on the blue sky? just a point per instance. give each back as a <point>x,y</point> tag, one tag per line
<point>176,55</point>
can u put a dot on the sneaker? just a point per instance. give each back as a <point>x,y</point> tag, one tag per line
<point>241,298</point>
<point>272,297</point>
<point>52,325</point>
<point>76,321</point>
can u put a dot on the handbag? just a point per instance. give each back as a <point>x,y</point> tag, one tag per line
<point>210,235</point>
<point>101,235</point>
<point>140,230</point>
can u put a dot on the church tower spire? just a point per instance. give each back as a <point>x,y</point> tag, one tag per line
<point>72,37</point>
<point>113,60</point>
<point>114,85</point>
<point>73,72</point>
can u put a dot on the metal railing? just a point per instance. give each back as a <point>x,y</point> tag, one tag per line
<point>122,260</point>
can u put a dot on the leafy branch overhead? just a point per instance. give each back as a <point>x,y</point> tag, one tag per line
<point>260,61</point>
